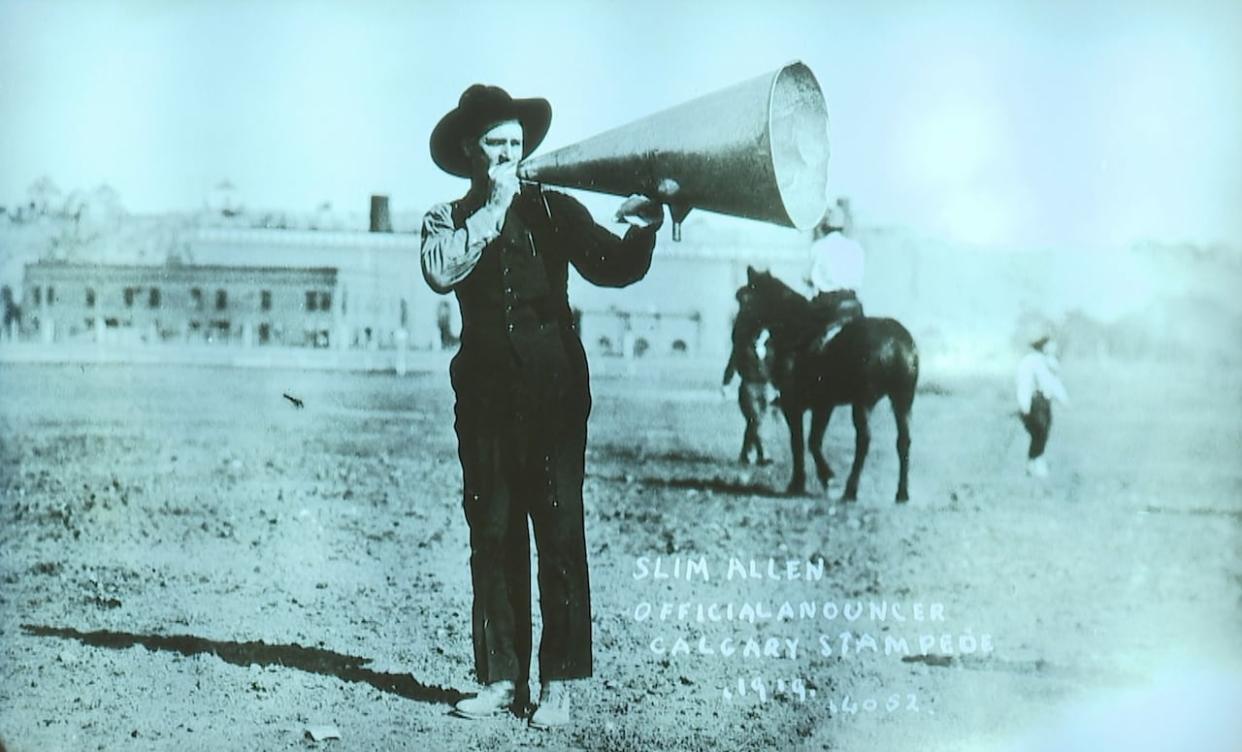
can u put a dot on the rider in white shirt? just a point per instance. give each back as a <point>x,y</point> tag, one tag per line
<point>836,265</point>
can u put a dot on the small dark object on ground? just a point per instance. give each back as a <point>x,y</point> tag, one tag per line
<point>930,659</point>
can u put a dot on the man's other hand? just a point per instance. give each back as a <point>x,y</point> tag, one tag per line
<point>641,211</point>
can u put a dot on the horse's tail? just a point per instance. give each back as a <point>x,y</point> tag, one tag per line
<point>904,372</point>
<point>912,360</point>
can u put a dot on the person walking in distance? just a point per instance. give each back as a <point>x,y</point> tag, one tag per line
<point>1037,383</point>
<point>749,360</point>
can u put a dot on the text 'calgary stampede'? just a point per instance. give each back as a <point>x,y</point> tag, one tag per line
<point>845,644</point>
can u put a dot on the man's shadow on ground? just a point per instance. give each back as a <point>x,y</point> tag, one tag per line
<point>313,660</point>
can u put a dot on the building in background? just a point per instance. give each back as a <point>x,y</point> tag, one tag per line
<point>238,286</point>
<point>376,299</point>
<point>125,304</point>
<point>256,291</point>
<point>294,291</point>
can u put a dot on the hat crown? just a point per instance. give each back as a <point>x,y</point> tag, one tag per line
<point>478,96</point>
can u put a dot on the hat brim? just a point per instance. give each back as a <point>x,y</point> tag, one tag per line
<point>534,114</point>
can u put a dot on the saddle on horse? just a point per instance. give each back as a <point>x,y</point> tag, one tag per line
<point>834,310</point>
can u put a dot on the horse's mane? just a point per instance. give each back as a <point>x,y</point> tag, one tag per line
<point>782,310</point>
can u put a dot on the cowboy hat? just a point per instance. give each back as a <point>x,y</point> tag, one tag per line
<point>479,108</point>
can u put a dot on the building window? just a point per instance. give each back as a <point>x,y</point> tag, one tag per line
<point>51,295</point>
<point>38,296</point>
<point>318,301</point>
<point>153,298</point>
<point>129,297</point>
<point>265,300</point>
<point>196,297</point>
<point>265,334</point>
<point>222,300</point>
<point>90,297</point>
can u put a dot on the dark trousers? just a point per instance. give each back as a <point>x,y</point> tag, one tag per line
<point>1038,423</point>
<point>836,306</point>
<point>522,454</point>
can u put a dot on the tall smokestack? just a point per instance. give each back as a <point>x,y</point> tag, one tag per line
<point>380,221</point>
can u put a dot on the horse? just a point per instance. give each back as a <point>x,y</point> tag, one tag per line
<point>817,369</point>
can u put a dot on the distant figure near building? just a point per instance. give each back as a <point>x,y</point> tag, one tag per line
<point>749,360</point>
<point>1037,381</point>
<point>836,266</point>
<point>449,324</point>
<point>12,314</point>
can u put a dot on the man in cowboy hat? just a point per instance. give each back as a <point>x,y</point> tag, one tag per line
<point>521,382</point>
<point>1036,383</point>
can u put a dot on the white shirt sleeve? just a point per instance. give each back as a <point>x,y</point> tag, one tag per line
<point>1036,374</point>
<point>449,254</point>
<point>1048,382</point>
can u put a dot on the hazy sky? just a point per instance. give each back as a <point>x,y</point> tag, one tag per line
<point>1021,123</point>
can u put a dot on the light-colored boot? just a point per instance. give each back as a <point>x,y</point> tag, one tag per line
<point>494,699</point>
<point>555,706</point>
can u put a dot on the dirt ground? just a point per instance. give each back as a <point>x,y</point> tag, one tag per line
<point>188,561</point>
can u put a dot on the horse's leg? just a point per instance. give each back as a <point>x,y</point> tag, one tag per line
<point>797,483</point>
<point>862,442</point>
<point>901,411</point>
<point>819,425</point>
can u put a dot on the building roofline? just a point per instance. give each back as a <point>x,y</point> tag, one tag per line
<point>305,238</point>
<point>147,268</point>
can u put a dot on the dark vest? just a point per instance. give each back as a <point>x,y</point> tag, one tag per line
<point>514,305</point>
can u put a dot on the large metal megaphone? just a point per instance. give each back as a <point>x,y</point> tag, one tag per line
<point>758,149</point>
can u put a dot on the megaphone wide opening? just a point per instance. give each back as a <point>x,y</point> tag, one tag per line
<point>798,128</point>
